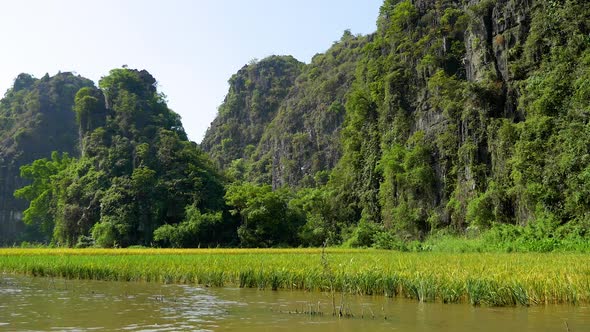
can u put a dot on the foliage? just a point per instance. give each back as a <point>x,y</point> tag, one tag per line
<point>36,118</point>
<point>447,121</point>
<point>137,170</point>
<point>253,99</point>
<point>197,230</point>
<point>303,138</point>
<point>468,119</point>
<point>266,218</point>
<point>41,192</point>
<point>429,146</point>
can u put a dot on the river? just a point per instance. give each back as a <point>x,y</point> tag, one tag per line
<point>48,304</point>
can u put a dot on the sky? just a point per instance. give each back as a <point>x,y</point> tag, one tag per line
<point>191,47</point>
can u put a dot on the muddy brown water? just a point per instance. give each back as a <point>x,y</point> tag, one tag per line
<point>46,304</point>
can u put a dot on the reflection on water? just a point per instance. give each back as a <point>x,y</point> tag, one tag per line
<point>44,304</point>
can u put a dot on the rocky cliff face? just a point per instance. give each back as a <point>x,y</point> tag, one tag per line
<point>299,141</point>
<point>457,110</point>
<point>302,143</point>
<point>498,32</point>
<point>37,118</point>
<point>456,114</point>
<point>252,102</point>
<point>453,113</point>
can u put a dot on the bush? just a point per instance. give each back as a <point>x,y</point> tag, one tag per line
<point>362,235</point>
<point>85,242</point>
<point>104,234</point>
<point>387,240</point>
<point>197,229</point>
<point>314,232</point>
<point>168,236</point>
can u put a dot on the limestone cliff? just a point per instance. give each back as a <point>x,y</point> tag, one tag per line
<point>254,96</point>
<point>37,118</point>
<point>456,114</point>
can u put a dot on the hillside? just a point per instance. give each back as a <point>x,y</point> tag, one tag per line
<point>252,101</point>
<point>467,115</point>
<point>36,119</point>
<point>298,140</point>
<point>455,118</point>
<point>302,142</point>
<point>137,172</point>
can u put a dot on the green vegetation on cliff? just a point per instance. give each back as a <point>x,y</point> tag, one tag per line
<point>255,94</point>
<point>137,172</point>
<point>460,117</point>
<point>302,143</point>
<point>429,145</point>
<point>36,118</point>
<point>454,117</point>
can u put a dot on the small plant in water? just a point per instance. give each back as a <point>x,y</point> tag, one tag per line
<point>329,275</point>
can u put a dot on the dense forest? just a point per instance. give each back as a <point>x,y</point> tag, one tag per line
<point>455,118</point>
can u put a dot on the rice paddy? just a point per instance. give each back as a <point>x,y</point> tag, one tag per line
<point>491,279</point>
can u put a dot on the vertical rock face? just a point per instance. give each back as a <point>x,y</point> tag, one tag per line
<point>37,118</point>
<point>253,100</point>
<point>478,96</point>
<point>302,142</point>
<point>451,119</point>
<point>498,32</point>
<point>10,208</point>
<point>510,24</point>
<point>283,118</point>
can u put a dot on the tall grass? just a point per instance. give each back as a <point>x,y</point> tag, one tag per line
<point>498,279</point>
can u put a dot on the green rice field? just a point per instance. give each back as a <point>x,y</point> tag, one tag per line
<point>493,279</point>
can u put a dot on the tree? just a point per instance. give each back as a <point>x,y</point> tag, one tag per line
<point>45,174</point>
<point>266,218</point>
<point>198,229</point>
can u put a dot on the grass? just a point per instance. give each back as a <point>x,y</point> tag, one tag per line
<point>494,279</point>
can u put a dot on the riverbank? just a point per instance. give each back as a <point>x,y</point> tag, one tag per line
<point>495,279</point>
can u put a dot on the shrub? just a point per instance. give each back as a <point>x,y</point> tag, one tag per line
<point>104,234</point>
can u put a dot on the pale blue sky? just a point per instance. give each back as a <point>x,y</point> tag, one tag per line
<point>191,47</point>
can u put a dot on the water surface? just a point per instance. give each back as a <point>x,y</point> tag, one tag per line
<point>45,304</point>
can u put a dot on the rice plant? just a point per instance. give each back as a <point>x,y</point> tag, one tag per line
<point>480,279</point>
